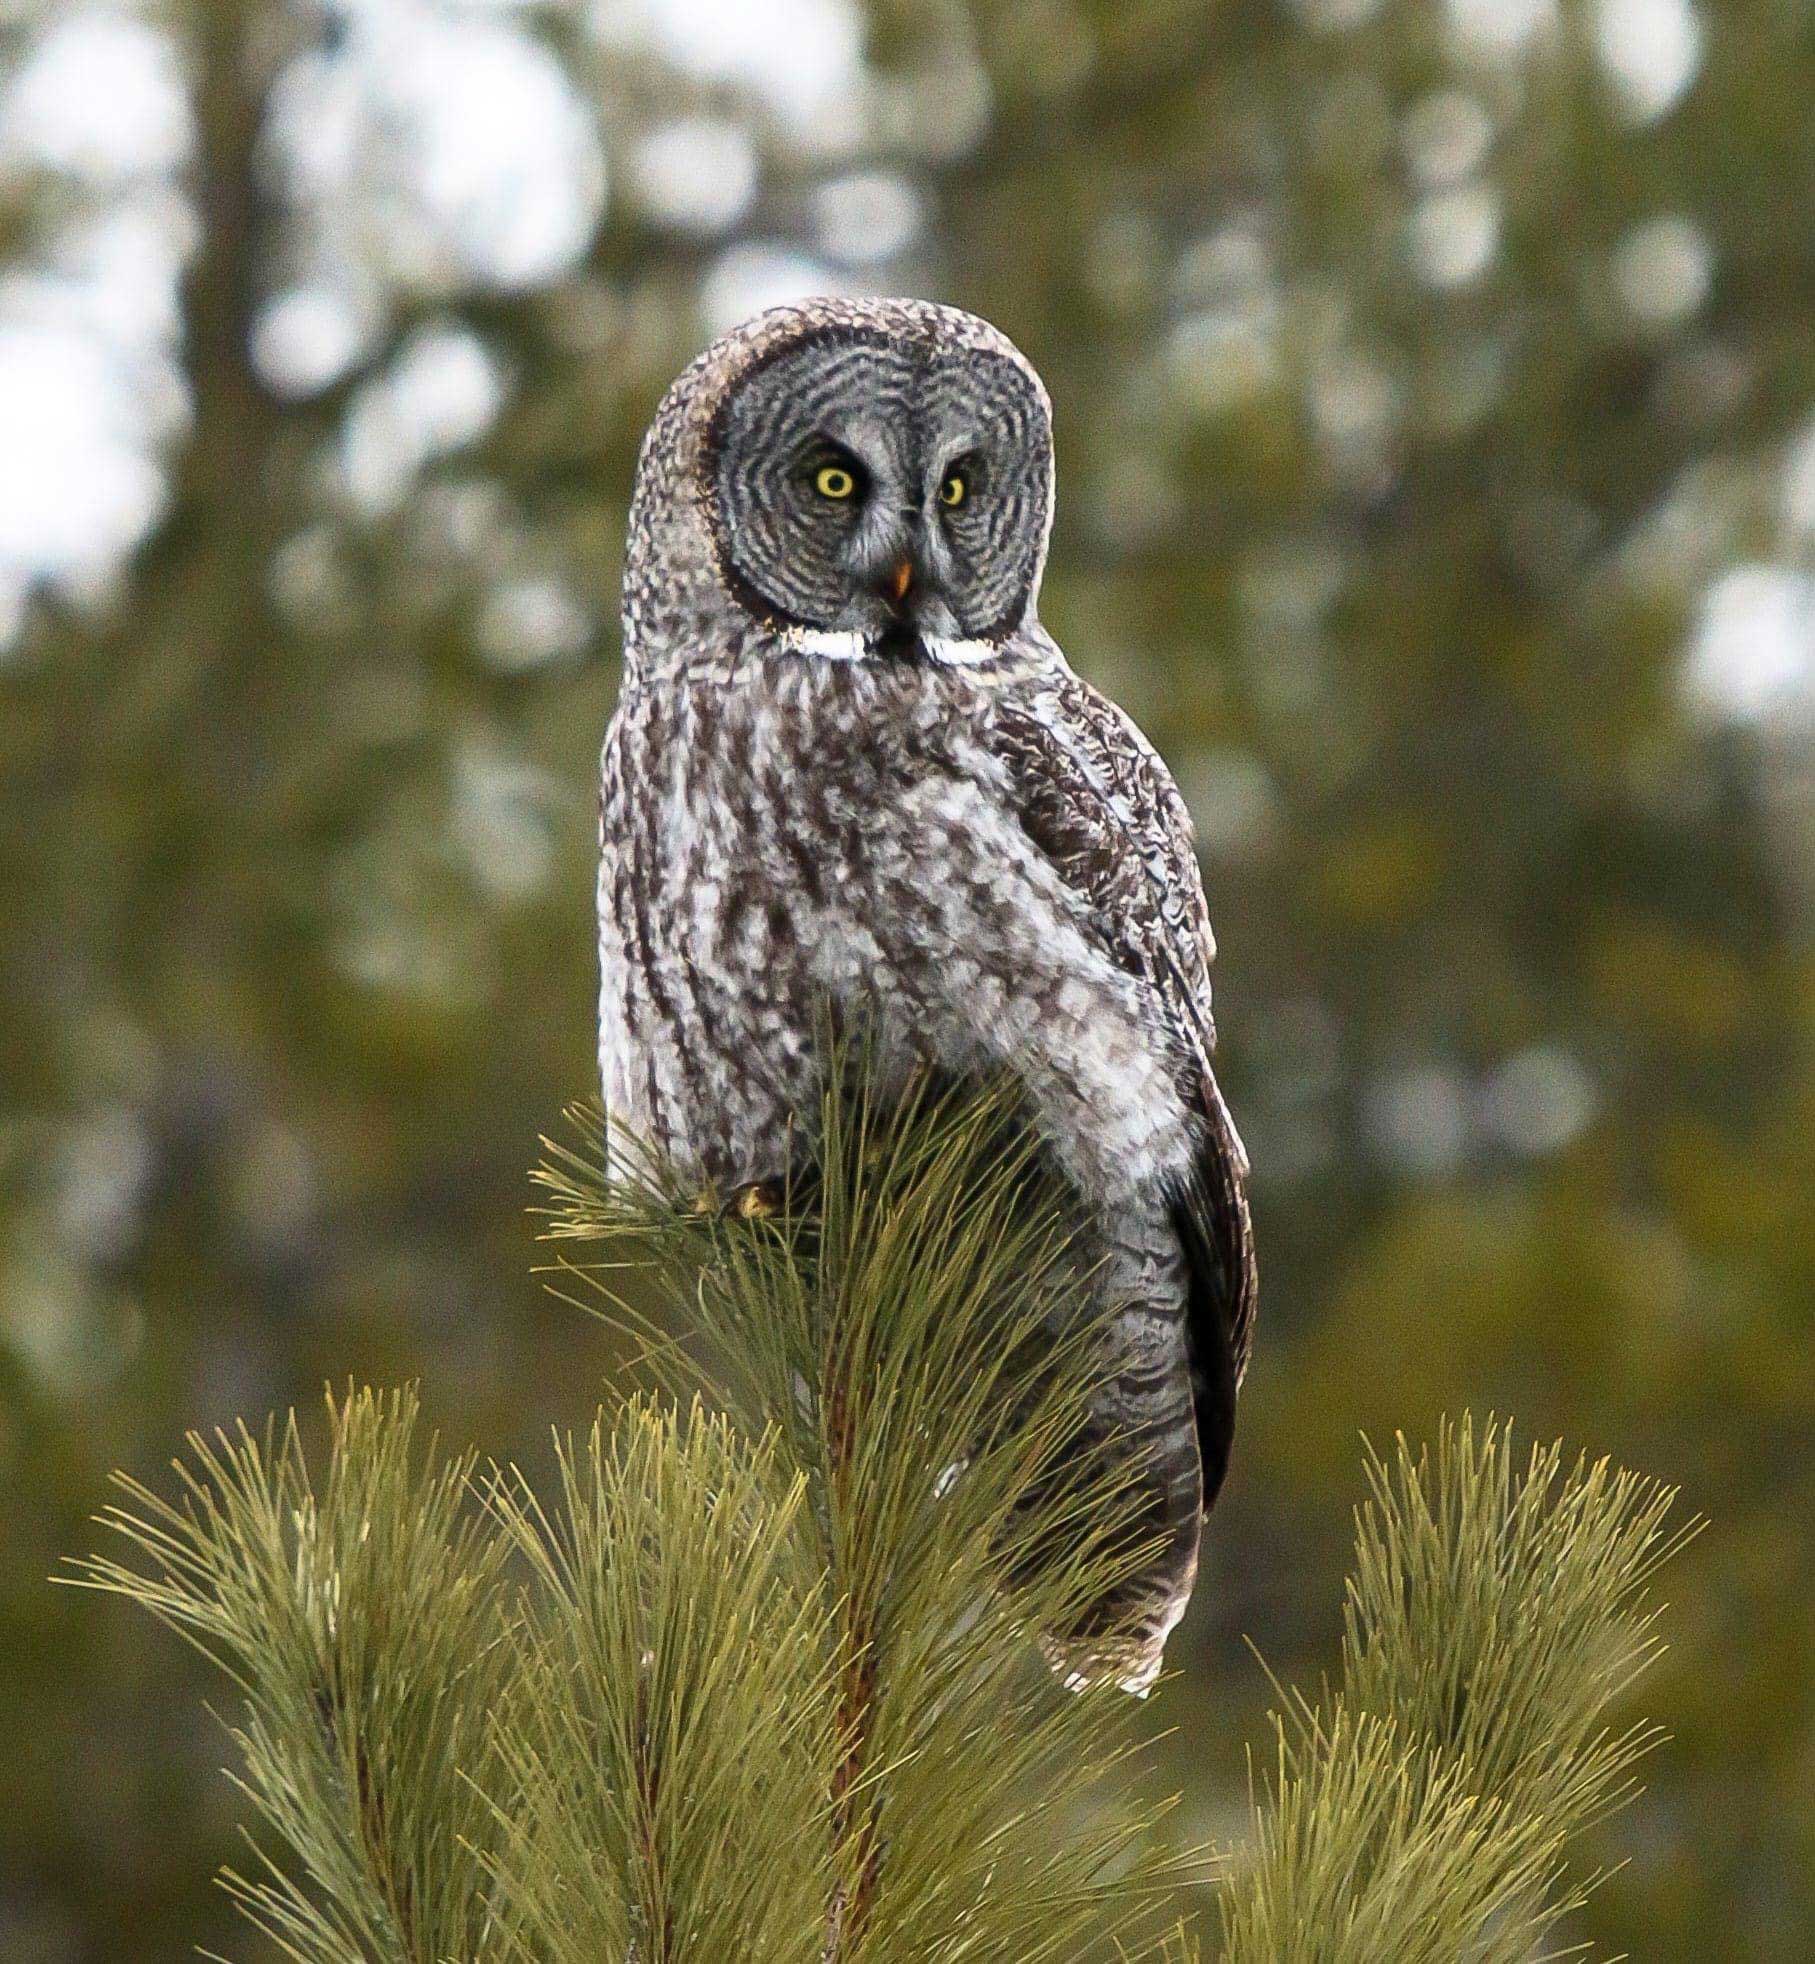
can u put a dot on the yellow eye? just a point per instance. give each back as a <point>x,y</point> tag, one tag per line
<point>834,481</point>
<point>954,490</point>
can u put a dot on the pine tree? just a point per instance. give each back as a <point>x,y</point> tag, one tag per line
<point>762,1678</point>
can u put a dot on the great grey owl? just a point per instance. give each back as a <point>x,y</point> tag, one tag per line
<point>848,764</point>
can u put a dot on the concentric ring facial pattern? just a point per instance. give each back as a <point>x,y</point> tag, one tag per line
<point>900,416</point>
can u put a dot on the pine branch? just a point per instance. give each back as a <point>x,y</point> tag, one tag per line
<point>363,1624</point>
<point>913,1330</point>
<point>763,1681</point>
<point>671,1756</point>
<point>1426,1808</point>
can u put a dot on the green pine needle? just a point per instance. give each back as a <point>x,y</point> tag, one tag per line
<point>672,1752</point>
<point>762,1679</point>
<point>916,1338</point>
<point>1497,1614</point>
<point>362,1623</point>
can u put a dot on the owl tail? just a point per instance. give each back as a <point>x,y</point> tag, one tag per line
<point>1139,1448</point>
<point>1121,1637</point>
<point>1134,1467</point>
<point>1131,1659</point>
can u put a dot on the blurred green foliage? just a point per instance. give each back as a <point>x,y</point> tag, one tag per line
<point>1435,387</point>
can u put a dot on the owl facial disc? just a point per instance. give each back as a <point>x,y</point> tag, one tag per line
<point>882,495</point>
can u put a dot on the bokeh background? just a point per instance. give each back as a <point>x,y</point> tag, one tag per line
<point>1436,407</point>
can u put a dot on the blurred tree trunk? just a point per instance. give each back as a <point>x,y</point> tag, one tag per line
<point>159,858</point>
<point>201,578</point>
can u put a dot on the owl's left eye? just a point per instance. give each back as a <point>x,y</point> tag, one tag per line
<point>955,489</point>
<point>835,481</point>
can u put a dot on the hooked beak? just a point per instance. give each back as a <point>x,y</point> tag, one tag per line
<point>897,581</point>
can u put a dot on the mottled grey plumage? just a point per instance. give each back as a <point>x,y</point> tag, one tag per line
<point>848,763</point>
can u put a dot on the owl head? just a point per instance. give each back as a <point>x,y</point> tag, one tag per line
<point>866,479</point>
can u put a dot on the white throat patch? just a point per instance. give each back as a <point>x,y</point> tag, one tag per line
<point>846,644</point>
<point>834,643</point>
<point>950,653</point>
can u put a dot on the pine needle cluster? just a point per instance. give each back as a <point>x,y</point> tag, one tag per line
<point>360,1620</point>
<point>1425,1808</point>
<point>914,1338</point>
<point>762,1678</point>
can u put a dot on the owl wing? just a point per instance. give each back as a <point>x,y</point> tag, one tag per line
<point>1093,795</point>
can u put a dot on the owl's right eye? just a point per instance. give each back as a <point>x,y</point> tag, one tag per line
<point>835,481</point>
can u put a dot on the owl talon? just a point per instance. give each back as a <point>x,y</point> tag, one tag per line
<point>759,1202</point>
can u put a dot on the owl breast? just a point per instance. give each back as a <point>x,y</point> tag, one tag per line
<point>815,832</point>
